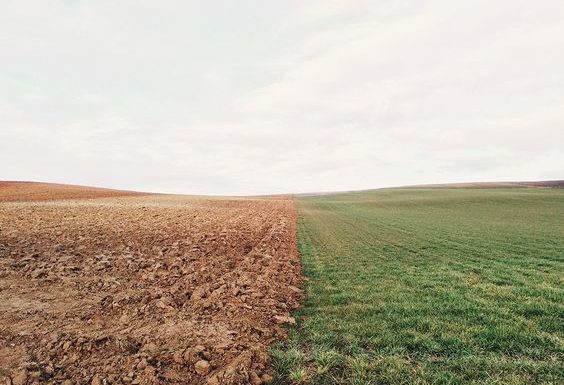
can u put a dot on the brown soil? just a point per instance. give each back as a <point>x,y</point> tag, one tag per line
<point>34,191</point>
<point>145,289</point>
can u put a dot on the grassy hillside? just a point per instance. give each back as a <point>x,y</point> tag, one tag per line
<point>430,286</point>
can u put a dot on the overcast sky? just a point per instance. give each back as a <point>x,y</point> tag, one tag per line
<point>249,97</point>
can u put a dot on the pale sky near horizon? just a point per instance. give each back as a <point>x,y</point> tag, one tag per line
<point>256,97</point>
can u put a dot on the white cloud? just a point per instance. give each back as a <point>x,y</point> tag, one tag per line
<point>259,96</point>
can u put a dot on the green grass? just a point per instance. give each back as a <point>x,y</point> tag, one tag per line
<point>430,286</point>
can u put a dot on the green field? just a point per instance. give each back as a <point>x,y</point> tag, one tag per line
<point>430,286</point>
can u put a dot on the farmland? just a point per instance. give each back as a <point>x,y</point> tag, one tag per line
<point>127,288</point>
<point>440,285</point>
<point>430,286</point>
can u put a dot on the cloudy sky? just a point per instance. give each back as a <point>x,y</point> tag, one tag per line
<point>248,97</point>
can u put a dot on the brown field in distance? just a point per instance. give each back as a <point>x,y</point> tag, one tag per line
<point>35,191</point>
<point>107,287</point>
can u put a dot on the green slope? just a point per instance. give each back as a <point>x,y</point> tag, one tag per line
<point>430,286</point>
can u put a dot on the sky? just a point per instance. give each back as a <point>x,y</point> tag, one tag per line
<point>258,97</point>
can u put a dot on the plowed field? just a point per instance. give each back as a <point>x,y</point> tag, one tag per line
<point>144,289</point>
<point>33,191</point>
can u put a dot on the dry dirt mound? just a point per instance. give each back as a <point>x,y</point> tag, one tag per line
<point>34,191</point>
<point>145,290</point>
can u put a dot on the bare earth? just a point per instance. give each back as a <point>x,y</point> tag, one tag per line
<point>142,289</point>
<point>33,191</point>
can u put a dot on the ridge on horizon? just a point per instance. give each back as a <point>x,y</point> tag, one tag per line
<point>81,190</point>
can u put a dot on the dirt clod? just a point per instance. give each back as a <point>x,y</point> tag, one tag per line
<point>20,378</point>
<point>255,379</point>
<point>96,380</point>
<point>283,319</point>
<point>202,367</point>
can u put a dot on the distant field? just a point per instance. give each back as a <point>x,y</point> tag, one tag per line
<point>35,191</point>
<point>430,286</point>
